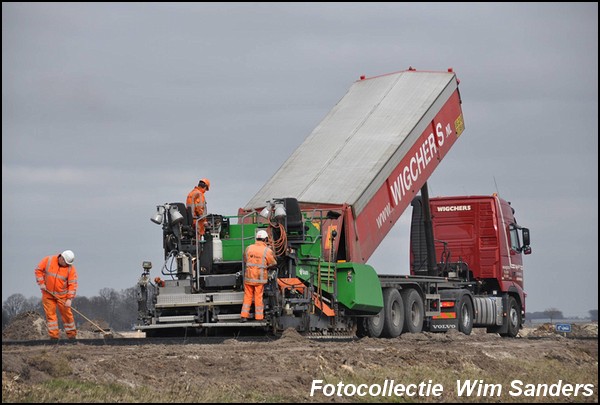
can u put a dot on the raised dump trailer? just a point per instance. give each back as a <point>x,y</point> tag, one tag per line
<point>371,155</point>
<point>326,210</point>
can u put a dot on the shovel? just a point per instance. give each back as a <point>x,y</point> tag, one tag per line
<point>107,334</point>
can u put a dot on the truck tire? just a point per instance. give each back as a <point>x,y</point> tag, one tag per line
<point>393,306</point>
<point>375,324</point>
<point>513,318</point>
<point>464,313</point>
<point>414,313</point>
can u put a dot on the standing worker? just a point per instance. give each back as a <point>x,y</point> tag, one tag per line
<point>258,258</point>
<point>57,278</point>
<point>197,202</point>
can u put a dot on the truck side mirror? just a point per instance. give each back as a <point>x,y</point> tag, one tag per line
<point>526,250</point>
<point>526,238</point>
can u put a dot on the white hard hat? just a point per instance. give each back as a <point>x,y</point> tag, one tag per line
<point>262,234</point>
<point>69,256</point>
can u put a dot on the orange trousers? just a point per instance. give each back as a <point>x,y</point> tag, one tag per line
<point>199,226</point>
<point>51,304</point>
<point>255,291</point>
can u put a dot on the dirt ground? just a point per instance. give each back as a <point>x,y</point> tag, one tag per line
<point>539,366</point>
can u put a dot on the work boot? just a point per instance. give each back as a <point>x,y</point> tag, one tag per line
<point>244,320</point>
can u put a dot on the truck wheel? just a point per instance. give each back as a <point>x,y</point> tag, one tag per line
<point>514,318</point>
<point>375,324</point>
<point>413,311</point>
<point>464,312</point>
<point>393,313</point>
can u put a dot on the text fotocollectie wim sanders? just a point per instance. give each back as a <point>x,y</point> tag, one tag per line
<point>463,388</point>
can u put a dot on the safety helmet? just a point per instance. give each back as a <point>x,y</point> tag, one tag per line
<point>69,256</point>
<point>262,235</point>
<point>205,181</point>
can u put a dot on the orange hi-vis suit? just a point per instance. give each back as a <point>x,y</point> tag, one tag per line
<point>197,202</point>
<point>62,282</point>
<point>258,258</point>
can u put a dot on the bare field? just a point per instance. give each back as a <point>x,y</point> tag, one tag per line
<point>422,367</point>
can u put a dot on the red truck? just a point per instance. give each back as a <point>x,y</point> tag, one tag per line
<point>478,240</point>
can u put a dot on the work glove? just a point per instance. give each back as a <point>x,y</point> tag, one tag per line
<point>43,287</point>
<point>68,303</point>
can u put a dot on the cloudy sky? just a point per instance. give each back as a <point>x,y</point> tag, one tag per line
<point>110,109</point>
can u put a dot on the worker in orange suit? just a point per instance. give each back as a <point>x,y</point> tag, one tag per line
<point>197,202</point>
<point>57,278</point>
<point>258,258</point>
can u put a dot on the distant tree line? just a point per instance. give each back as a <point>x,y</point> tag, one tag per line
<point>117,308</point>
<point>550,313</point>
<point>554,314</point>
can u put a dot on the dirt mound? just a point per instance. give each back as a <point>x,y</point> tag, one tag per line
<point>32,326</point>
<point>291,335</point>
<point>96,326</point>
<point>96,329</point>
<point>26,326</point>
<point>589,330</point>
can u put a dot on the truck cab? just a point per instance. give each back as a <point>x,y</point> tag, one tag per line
<point>478,239</point>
